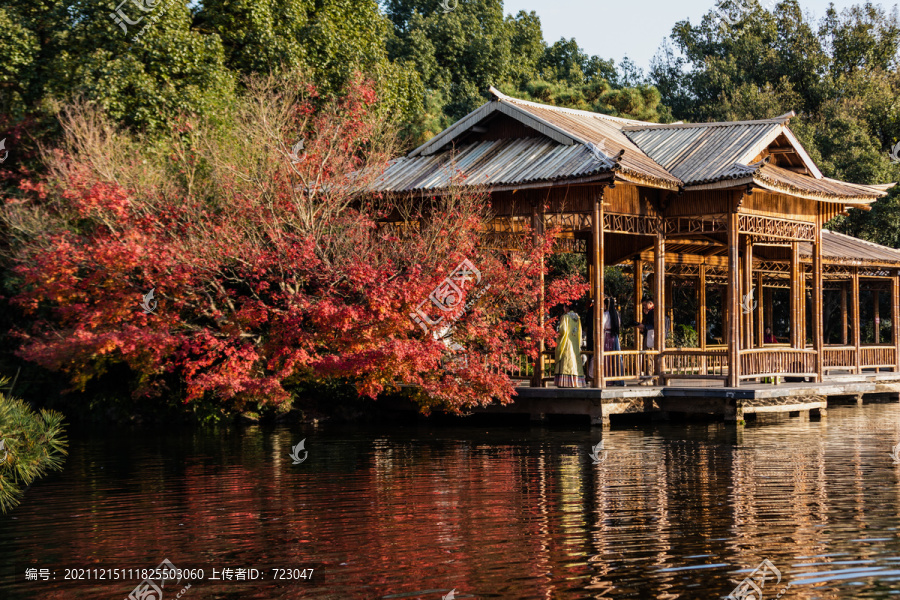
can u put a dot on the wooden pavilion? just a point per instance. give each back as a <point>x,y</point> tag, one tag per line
<point>737,205</point>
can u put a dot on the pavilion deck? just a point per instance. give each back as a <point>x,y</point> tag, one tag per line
<point>734,404</point>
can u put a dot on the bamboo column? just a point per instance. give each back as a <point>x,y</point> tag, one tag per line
<point>876,296</point>
<point>760,315</point>
<point>701,314</point>
<point>895,320</point>
<point>817,301</point>
<point>798,337</point>
<point>746,291</point>
<point>844,324</point>
<point>537,379</point>
<point>857,330</point>
<point>597,262</point>
<point>659,312</point>
<point>638,295</point>
<point>733,337</point>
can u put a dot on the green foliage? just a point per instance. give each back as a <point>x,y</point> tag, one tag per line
<point>32,445</point>
<point>684,336</point>
<point>840,76</point>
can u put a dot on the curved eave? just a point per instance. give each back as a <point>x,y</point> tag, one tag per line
<point>859,200</point>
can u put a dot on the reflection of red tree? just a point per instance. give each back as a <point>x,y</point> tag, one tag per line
<point>491,516</point>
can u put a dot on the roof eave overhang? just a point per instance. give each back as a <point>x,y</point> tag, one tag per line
<point>856,201</point>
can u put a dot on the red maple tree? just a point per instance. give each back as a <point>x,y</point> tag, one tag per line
<point>270,263</point>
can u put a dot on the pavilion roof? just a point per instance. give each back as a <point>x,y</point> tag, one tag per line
<point>564,145</point>
<point>846,249</point>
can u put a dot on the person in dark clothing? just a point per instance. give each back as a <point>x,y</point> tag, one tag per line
<point>647,326</point>
<point>614,366</point>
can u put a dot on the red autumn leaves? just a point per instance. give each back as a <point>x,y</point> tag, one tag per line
<point>269,271</point>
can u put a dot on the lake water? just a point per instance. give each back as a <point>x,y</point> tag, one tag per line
<point>671,511</point>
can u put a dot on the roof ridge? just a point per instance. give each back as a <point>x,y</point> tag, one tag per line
<point>588,113</point>
<point>647,125</point>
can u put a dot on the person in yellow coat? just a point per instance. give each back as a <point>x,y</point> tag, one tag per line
<point>569,370</point>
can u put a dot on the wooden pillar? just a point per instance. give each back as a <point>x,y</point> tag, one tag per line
<point>857,330</point>
<point>537,227</point>
<point>844,323</point>
<point>747,294</point>
<point>598,262</point>
<point>818,313</point>
<point>638,296</point>
<point>876,308</point>
<point>701,316</point>
<point>733,336</point>
<point>659,313</point>
<point>798,336</point>
<point>761,303</point>
<point>895,319</point>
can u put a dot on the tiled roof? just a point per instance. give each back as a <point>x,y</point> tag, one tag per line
<point>568,145</point>
<point>837,247</point>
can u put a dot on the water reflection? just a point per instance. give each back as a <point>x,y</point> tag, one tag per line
<point>682,511</point>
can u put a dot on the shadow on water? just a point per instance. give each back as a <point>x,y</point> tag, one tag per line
<point>413,510</point>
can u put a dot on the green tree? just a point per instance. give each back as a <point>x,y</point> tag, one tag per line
<point>841,77</point>
<point>142,76</point>
<point>31,445</point>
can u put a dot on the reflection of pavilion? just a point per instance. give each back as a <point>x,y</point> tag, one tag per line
<point>737,207</point>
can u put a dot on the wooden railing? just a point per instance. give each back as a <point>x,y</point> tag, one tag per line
<point>877,357</point>
<point>694,363</point>
<point>712,363</point>
<point>841,358</point>
<point>628,364</point>
<point>621,365</point>
<point>777,361</point>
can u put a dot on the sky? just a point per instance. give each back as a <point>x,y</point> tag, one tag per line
<point>635,28</point>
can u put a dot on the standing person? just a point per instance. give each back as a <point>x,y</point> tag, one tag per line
<point>587,332</point>
<point>569,371</point>
<point>769,337</point>
<point>647,326</point>
<point>614,365</point>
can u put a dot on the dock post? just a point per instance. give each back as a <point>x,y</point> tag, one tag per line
<point>600,420</point>
<point>734,411</point>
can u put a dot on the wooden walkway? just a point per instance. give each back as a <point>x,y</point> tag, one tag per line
<point>734,404</point>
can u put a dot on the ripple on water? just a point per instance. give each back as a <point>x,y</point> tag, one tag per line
<point>672,511</point>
